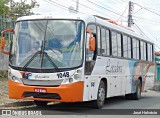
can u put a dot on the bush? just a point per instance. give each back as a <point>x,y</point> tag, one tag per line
<point>3,74</point>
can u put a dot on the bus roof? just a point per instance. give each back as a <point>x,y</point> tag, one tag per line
<point>66,16</point>
<point>122,29</point>
<point>87,19</point>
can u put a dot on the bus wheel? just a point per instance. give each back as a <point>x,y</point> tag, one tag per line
<point>100,96</point>
<point>40,103</point>
<point>137,94</point>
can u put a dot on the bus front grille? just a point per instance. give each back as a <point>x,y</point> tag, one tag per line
<point>53,83</point>
<point>42,95</point>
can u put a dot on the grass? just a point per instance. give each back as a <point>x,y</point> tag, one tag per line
<point>3,74</point>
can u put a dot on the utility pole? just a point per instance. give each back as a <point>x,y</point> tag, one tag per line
<point>130,12</point>
<point>77,6</point>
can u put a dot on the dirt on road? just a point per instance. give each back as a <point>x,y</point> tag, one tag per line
<point>5,102</point>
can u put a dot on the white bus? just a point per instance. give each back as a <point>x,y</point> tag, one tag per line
<point>77,58</point>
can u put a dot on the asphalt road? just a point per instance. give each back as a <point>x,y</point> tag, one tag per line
<point>116,106</point>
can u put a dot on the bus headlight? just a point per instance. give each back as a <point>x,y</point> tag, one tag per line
<point>15,79</point>
<point>70,80</point>
<point>76,76</point>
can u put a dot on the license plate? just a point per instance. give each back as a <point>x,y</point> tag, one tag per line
<point>40,90</point>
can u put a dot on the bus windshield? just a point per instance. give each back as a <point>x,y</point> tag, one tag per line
<point>47,44</point>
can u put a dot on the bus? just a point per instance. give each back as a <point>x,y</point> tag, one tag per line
<point>77,58</point>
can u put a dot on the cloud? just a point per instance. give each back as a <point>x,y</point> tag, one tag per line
<point>146,20</point>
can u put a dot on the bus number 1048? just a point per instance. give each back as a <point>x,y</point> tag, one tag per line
<point>65,74</point>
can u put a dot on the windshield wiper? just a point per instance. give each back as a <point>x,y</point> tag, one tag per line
<point>40,52</point>
<point>51,61</point>
<point>30,60</point>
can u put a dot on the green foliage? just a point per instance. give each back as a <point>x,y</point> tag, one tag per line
<point>3,7</point>
<point>23,8</point>
<point>3,74</point>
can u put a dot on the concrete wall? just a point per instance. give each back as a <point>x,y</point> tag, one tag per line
<point>3,62</point>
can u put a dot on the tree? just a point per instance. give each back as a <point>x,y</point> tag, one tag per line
<point>3,7</point>
<point>22,8</point>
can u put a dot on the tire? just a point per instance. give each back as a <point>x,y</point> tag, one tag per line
<point>40,103</point>
<point>137,94</point>
<point>128,96</point>
<point>101,95</point>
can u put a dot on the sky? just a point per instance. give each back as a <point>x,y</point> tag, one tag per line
<point>146,22</point>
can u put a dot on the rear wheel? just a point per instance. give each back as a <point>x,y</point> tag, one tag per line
<point>100,96</point>
<point>40,103</point>
<point>137,94</point>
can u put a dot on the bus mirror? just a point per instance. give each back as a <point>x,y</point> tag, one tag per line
<point>89,31</point>
<point>3,41</point>
<point>2,46</point>
<point>92,43</point>
<point>8,30</point>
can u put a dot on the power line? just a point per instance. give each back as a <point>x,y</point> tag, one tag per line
<point>56,4</point>
<point>119,5</point>
<point>146,20</point>
<point>138,10</point>
<point>140,30</point>
<point>104,8</point>
<point>123,13</point>
<point>65,7</point>
<point>59,5</point>
<point>147,9</point>
<point>87,7</point>
<point>146,35</point>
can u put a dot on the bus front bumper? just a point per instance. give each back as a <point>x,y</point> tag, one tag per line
<point>64,93</point>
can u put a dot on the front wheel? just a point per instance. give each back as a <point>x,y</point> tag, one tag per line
<point>99,103</point>
<point>40,103</point>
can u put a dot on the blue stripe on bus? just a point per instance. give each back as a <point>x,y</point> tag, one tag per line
<point>131,67</point>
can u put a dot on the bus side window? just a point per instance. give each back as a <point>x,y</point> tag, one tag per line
<point>90,55</point>
<point>98,40</point>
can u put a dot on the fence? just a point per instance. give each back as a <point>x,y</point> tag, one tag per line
<point>5,23</point>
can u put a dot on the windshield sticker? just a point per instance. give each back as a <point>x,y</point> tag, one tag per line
<point>27,75</point>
